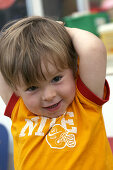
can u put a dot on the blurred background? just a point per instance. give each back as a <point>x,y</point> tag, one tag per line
<point>95,16</point>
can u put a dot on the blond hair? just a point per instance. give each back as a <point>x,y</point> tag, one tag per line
<point>27,42</point>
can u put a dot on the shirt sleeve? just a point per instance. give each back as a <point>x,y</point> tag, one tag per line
<point>10,106</point>
<point>90,95</point>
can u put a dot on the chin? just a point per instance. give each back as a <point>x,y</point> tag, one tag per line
<point>55,115</point>
<point>51,115</point>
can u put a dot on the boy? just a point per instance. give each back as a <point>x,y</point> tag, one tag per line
<point>56,114</point>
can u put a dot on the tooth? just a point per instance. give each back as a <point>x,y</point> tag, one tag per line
<point>53,106</point>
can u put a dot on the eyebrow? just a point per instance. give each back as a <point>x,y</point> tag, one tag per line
<point>56,73</point>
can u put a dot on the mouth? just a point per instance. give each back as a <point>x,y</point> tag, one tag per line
<point>53,107</point>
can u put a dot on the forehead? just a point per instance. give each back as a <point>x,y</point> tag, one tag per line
<point>49,69</point>
<point>44,68</point>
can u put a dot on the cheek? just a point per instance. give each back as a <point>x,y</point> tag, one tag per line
<point>31,102</point>
<point>68,90</point>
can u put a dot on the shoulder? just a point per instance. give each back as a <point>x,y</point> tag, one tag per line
<point>87,97</point>
<point>11,105</point>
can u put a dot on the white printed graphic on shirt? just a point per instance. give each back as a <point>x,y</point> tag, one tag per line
<point>59,135</point>
<point>29,125</point>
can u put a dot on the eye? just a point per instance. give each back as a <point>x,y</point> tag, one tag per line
<point>56,79</point>
<point>32,88</point>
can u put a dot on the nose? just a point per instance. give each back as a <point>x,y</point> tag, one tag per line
<point>48,93</point>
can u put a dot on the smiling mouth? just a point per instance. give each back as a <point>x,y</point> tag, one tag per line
<point>54,107</point>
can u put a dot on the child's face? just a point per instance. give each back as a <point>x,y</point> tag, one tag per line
<point>52,96</point>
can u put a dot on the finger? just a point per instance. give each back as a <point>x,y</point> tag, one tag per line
<point>60,22</point>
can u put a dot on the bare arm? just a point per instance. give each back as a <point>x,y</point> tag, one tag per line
<point>5,90</point>
<point>93,58</point>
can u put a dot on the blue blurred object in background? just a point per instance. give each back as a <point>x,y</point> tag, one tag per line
<point>4,140</point>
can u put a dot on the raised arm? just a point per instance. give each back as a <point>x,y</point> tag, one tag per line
<point>93,58</point>
<point>5,90</point>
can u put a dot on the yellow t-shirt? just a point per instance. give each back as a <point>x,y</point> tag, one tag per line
<point>75,141</point>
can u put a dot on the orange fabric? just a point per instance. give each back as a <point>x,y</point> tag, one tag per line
<point>75,141</point>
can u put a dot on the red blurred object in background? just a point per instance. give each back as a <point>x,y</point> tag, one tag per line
<point>107,4</point>
<point>4,4</point>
